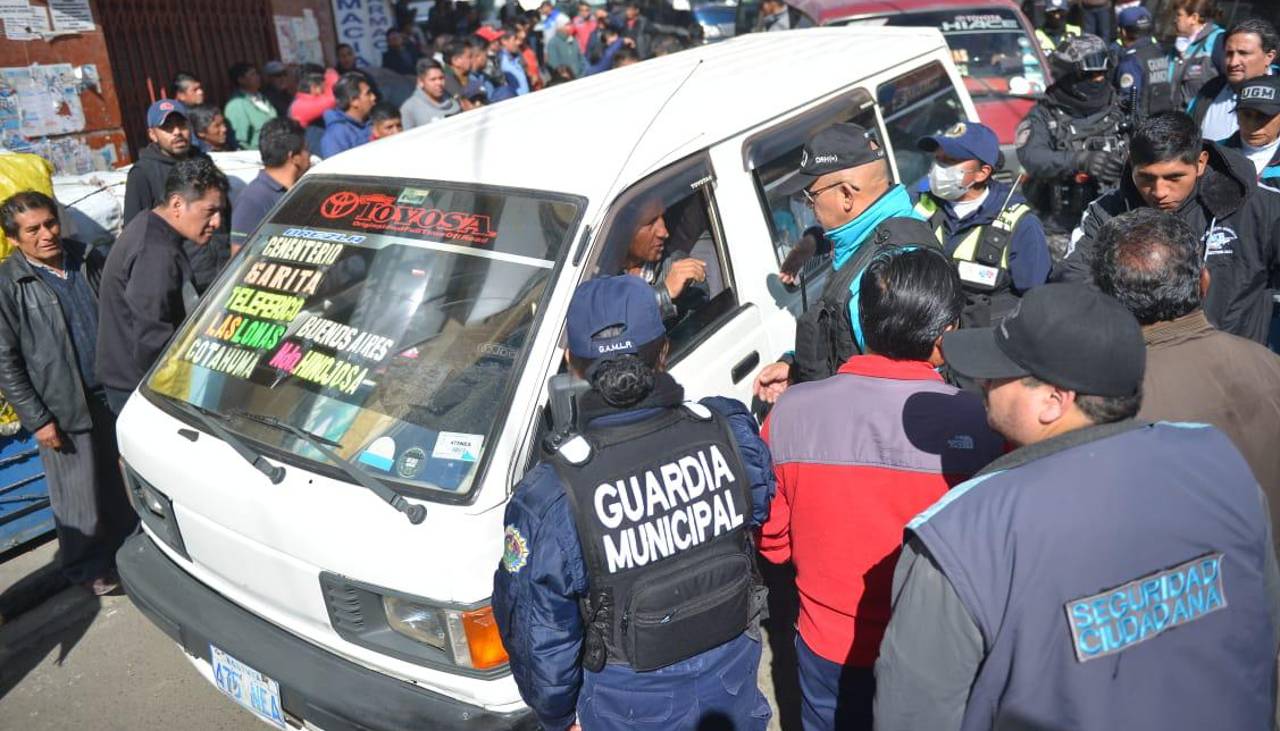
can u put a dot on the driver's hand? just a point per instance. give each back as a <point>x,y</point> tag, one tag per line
<point>683,272</point>
<point>772,381</point>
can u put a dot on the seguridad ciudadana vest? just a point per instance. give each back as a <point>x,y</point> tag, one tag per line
<point>1117,583</point>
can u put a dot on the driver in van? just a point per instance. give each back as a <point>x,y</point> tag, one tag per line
<point>670,273</point>
<point>627,587</point>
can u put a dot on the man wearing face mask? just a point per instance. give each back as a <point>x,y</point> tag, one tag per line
<point>861,211</point>
<point>985,226</point>
<point>1071,144</point>
<point>1215,191</point>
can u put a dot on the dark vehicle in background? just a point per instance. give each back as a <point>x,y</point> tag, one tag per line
<point>992,43</point>
<point>717,20</point>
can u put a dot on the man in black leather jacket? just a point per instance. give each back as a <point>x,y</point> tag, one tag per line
<point>48,334</point>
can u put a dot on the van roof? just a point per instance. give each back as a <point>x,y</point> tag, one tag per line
<point>579,137</point>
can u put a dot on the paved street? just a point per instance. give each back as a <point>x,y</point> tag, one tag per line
<point>78,662</point>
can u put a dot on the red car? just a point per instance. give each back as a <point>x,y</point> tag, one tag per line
<point>992,43</point>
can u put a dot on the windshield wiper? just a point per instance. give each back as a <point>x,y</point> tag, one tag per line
<point>209,420</point>
<point>415,513</point>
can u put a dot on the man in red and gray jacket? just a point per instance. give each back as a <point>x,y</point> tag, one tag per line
<point>857,456</point>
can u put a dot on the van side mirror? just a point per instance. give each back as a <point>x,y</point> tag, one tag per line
<point>563,393</point>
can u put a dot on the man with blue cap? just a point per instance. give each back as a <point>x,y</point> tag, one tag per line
<point>985,226</point>
<point>169,129</point>
<point>1143,72</point>
<point>627,595</point>
<point>1055,28</point>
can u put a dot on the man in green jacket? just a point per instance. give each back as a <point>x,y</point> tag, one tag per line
<point>563,50</point>
<point>248,109</point>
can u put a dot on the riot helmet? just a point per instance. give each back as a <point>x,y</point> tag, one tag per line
<point>1080,57</point>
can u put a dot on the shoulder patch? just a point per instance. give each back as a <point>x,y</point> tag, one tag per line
<point>1126,81</point>
<point>515,550</point>
<point>1142,609</point>
<point>1023,133</point>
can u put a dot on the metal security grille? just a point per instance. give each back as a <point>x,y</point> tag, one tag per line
<point>151,40</point>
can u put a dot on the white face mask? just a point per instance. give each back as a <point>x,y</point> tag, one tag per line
<point>947,181</point>
<point>1182,43</point>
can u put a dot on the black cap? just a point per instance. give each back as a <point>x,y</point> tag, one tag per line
<point>838,147</point>
<point>1262,94</point>
<point>1069,335</point>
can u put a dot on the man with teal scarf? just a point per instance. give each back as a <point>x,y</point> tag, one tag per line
<point>862,211</point>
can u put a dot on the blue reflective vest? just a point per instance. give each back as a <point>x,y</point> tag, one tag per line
<point>1117,583</point>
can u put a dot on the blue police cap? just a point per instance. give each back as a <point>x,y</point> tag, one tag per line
<point>1138,18</point>
<point>160,111</point>
<point>965,141</point>
<point>624,307</point>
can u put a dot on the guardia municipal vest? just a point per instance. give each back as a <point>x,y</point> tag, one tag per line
<point>824,333</point>
<point>1147,62</point>
<point>982,260</point>
<point>1117,580</point>
<point>662,508</point>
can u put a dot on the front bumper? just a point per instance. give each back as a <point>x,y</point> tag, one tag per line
<point>315,685</point>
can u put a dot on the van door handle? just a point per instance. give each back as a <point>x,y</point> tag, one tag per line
<point>745,366</point>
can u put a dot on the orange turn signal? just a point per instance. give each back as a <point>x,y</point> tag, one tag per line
<point>483,640</point>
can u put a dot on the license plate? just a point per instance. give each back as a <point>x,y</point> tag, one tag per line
<point>247,686</point>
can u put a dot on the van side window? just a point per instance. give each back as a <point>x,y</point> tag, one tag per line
<point>775,160</point>
<point>658,229</point>
<point>918,104</point>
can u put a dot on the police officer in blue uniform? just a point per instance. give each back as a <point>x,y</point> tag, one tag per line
<point>627,595</point>
<point>1143,71</point>
<point>1105,574</point>
<point>994,238</point>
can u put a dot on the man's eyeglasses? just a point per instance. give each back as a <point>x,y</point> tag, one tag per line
<point>811,196</point>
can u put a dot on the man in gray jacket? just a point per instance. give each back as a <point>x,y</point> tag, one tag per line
<point>430,101</point>
<point>48,336</point>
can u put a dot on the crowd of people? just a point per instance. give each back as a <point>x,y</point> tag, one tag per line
<point>1002,473</point>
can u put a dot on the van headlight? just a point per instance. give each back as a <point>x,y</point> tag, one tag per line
<point>412,628</point>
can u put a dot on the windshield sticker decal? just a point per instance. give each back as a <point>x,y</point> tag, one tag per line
<point>409,464</point>
<point>222,358</point>
<point>246,331</point>
<point>458,446</point>
<point>345,339</point>
<point>267,305</point>
<point>413,196</point>
<point>323,370</point>
<point>380,454</point>
<point>283,277</point>
<point>303,250</point>
<point>377,212</point>
<point>979,22</point>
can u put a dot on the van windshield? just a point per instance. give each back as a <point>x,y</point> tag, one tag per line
<point>389,318</point>
<point>988,44</point>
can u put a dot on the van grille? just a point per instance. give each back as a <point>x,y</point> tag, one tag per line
<point>343,603</point>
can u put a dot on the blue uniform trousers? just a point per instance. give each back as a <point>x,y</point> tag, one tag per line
<point>835,696</point>
<point>713,691</point>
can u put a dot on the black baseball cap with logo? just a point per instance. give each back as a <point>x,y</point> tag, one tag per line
<point>838,147</point>
<point>1261,94</point>
<point>1069,335</point>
